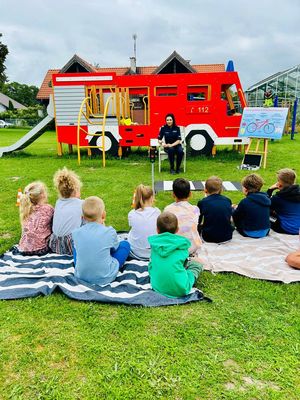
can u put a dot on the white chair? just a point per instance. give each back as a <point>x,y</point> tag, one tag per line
<point>162,155</point>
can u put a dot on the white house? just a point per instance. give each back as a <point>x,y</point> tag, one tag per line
<point>4,103</point>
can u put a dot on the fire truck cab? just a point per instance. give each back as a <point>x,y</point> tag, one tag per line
<point>207,107</point>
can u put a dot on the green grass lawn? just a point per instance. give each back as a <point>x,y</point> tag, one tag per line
<point>243,345</point>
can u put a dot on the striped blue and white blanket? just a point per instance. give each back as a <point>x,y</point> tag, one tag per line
<point>29,276</point>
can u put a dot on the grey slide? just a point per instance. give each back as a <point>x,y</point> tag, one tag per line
<point>33,134</point>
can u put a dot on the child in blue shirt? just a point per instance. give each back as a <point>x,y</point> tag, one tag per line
<point>98,255</point>
<point>285,203</point>
<point>215,212</point>
<point>251,217</point>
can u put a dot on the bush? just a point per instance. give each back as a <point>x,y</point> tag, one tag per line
<point>24,117</point>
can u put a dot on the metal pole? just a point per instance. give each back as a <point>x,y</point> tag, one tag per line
<point>152,175</point>
<point>134,36</point>
<point>294,118</point>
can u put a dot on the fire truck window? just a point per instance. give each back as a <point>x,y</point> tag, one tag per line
<point>197,93</point>
<point>232,96</point>
<point>136,101</point>
<point>166,91</point>
<point>138,104</point>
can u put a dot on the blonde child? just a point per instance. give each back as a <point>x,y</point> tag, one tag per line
<point>68,211</point>
<point>142,221</point>
<point>36,220</point>
<point>98,254</point>
<point>186,213</point>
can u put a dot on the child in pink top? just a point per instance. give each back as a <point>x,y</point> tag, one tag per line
<point>186,213</point>
<point>36,220</point>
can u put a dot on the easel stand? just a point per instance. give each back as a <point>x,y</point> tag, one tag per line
<point>256,142</point>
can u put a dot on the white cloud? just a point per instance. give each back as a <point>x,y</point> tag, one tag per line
<point>262,37</point>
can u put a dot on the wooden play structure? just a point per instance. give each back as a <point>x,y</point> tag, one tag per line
<point>104,111</point>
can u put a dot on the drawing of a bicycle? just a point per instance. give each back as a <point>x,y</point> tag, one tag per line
<point>268,127</point>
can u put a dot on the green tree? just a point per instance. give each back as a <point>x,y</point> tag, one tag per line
<point>22,93</point>
<point>10,106</point>
<point>3,54</point>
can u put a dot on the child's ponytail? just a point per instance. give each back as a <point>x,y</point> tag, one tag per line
<point>142,194</point>
<point>32,195</point>
<point>67,183</point>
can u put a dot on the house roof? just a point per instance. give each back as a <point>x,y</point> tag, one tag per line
<point>46,88</point>
<point>209,67</point>
<point>4,100</point>
<point>117,70</point>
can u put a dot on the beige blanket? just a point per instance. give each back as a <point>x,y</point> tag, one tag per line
<point>255,258</point>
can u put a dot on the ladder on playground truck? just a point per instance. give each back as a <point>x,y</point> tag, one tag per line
<point>95,109</point>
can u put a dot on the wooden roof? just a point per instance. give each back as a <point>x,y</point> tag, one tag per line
<point>174,64</point>
<point>83,65</point>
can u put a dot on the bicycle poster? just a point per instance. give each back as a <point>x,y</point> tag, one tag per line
<point>263,123</point>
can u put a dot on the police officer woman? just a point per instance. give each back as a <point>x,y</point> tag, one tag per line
<point>170,132</point>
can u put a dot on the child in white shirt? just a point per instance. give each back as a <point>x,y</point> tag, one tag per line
<point>142,221</point>
<point>67,212</point>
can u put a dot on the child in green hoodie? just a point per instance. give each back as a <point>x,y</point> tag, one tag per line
<point>171,273</point>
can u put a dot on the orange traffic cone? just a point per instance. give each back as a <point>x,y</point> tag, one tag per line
<point>19,197</point>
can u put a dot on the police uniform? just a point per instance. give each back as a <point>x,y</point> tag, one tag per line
<point>171,134</point>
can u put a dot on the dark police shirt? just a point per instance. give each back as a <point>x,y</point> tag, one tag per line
<point>170,133</point>
<point>216,211</point>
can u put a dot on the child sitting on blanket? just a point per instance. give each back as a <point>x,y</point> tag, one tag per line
<point>67,212</point>
<point>251,217</point>
<point>216,211</point>
<point>186,213</point>
<point>98,254</point>
<point>171,272</point>
<point>293,259</point>
<point>36,220</point>
<point>142,221</point>
<point>285,204</point>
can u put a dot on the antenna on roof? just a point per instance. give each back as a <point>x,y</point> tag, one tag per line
<point>134,37</point>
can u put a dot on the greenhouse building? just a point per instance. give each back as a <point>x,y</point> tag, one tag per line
<point>284,87</point>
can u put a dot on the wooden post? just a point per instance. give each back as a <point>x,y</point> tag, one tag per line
<point>120,152</point>
<point>264,153</point>
<point>70,148</point>
<point>59,149</point>
<point>214,150</point>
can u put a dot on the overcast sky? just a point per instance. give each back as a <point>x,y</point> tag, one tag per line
<point>262,37</point>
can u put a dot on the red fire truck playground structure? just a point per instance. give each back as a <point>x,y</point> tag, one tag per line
<point>130,109</point>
